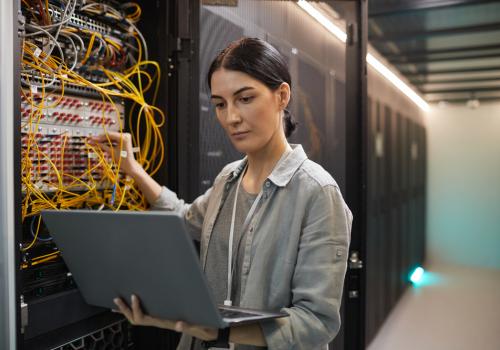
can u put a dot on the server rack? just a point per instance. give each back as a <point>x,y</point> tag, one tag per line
<point>63,318</point>
<point>395,235</point>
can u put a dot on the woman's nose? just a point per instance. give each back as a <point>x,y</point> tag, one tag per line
<point>233,115</point>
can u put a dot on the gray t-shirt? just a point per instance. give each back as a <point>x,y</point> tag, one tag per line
<point>217,254</point>
<point>216,268</point>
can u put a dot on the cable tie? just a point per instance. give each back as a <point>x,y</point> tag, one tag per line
<point>123,154</point>
<point>34,89</point>
<point>136,149</point>
<point>92,155</point>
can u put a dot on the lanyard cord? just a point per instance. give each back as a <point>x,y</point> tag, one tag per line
<point>228,301</point>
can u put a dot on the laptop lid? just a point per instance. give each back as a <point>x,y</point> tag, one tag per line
<point>122,253</point>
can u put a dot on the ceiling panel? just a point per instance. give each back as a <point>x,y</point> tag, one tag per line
<point>453,42</point>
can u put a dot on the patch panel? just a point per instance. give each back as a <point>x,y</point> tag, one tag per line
<point>53,139</point>
<point>84,22</point>
<point>76,112</point>
<point>69,88</point>
<point>64,160</point>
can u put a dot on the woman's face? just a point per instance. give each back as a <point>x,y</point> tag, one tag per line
<point>247,109</point>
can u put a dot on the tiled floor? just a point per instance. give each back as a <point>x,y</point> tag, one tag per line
<point>455,308</point>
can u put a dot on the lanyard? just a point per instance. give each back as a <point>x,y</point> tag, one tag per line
<point>228,301</point>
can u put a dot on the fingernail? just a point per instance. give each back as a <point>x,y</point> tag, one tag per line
<point>116,301</point>
<point>133,297</point>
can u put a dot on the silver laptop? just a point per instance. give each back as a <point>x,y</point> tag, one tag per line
<point>150,254</point>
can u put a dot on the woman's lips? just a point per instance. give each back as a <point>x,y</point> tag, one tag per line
<point>240,135</point>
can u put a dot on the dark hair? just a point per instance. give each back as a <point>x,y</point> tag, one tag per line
<point>261,61</point>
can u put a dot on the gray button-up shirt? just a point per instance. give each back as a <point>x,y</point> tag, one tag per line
<point>295,255</point>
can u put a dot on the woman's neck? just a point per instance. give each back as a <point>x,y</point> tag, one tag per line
<point>261,163</point>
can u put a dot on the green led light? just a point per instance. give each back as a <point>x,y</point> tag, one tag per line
<point>417,274</point>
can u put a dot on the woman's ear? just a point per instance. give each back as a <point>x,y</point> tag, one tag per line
<point>284,95</point>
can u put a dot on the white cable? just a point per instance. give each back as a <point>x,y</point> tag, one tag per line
<point>228,301</point>
<point>230,268</point>
<point>145,46</point>
<point>75,61</point>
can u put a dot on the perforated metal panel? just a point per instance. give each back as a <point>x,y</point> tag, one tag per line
<point>316,62</point>
<point>112,337</point>
<point>215,147</point>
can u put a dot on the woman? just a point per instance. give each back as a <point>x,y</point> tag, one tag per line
<point>283,214</point>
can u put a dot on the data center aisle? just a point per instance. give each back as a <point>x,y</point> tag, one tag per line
<point>454,308</point>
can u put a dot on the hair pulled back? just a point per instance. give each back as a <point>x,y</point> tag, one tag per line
<point>261,61</point>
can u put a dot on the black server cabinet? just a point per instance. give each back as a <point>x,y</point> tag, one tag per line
<point>62,319</point>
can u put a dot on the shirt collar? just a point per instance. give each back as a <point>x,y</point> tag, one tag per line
<point>282,173</point>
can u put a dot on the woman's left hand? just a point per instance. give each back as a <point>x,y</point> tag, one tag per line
<point>137,318</point>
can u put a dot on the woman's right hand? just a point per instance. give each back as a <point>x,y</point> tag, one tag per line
<point>110,143</point>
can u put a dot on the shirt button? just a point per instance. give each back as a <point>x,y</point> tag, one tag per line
<point>251,229</point>
<point>268,184</point>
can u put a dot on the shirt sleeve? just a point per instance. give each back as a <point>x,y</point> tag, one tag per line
<point>318,278</point>
<point>193,213</point>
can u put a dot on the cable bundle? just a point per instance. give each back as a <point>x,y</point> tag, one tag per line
<point>95,48</point>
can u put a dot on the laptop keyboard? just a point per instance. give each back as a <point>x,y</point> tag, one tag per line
<point>225,313</point>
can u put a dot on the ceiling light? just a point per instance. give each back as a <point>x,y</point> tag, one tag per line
<point>442,104</point>
<point>394,79</point>
<point>473,103</point>
<point>376,64</point>
<point>325,22</point>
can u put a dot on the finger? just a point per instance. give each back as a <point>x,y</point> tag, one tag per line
<point>158,322</point>
<point>116,311</point>
<point>96,138</point>
<point>105,148</point>
<point>136,308</point>
<point>124,309</point>
<point>115,134</point>
<point>180,326</point>
<point>110,135</point>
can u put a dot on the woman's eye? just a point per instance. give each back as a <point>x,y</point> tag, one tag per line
<point>219,105</point>
<point>246,99</point>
